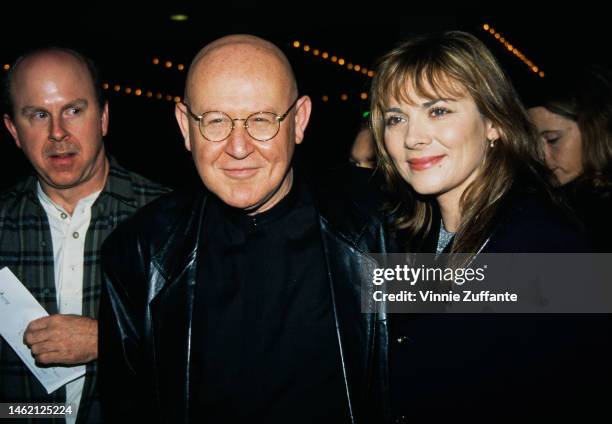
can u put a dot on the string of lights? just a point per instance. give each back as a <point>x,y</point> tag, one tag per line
<point>154,94</point>
<point>512,49</point>
<point>344,97</point>
<point>355,67</point>
<point>169,64</point>
<point>339,60</point>
<point>306,48</point>
<point>138,92</point>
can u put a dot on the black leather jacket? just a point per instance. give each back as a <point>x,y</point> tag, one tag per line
<point>149,266</point>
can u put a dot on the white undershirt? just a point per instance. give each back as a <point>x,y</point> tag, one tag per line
<point>68,236</point>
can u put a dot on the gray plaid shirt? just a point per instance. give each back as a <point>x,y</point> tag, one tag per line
<point>26,248</point>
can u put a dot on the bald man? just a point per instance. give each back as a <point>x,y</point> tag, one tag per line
<point>240,302</point>
<point>53,223</point>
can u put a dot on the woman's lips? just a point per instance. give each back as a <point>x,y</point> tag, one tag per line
<point>419,164</point>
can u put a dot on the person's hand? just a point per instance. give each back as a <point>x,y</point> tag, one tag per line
<point>62,339</point>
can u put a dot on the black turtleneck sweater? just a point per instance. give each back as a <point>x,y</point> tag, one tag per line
<point>265,345</point>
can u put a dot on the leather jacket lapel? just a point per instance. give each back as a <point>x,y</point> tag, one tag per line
<point>347,271</point>
<point>171,308</point>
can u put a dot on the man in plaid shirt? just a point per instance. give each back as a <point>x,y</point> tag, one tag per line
<point>53,223</point>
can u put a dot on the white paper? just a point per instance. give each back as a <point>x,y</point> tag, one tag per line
<point>17,309</point>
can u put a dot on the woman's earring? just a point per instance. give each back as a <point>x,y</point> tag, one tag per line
<point>492,144</point>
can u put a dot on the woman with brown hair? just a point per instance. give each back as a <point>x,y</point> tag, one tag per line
<point>452,135</point>
<point>457,151</point>
<point>573,114</point>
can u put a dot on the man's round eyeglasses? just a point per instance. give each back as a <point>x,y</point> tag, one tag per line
<point>216,126</point>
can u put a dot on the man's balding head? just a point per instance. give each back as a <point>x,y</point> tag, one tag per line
<point>61,53</point>
<point>242,53</point>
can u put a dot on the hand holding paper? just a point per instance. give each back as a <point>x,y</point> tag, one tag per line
<point>63,339</point>
<point>17,309</point>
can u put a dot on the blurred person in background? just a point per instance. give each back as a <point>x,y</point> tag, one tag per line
<point>363,150</point>
<point>572,111</point>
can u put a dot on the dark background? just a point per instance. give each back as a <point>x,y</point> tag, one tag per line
<point>143,134</point>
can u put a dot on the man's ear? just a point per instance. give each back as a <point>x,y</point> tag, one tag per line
<point>180,112</point>
<point>302,116</point>
<point>105,119</point>
<point>10,126</point>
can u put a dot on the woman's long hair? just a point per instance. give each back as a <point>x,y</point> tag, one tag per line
<point>584,95</point>
<point>453,63</point>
